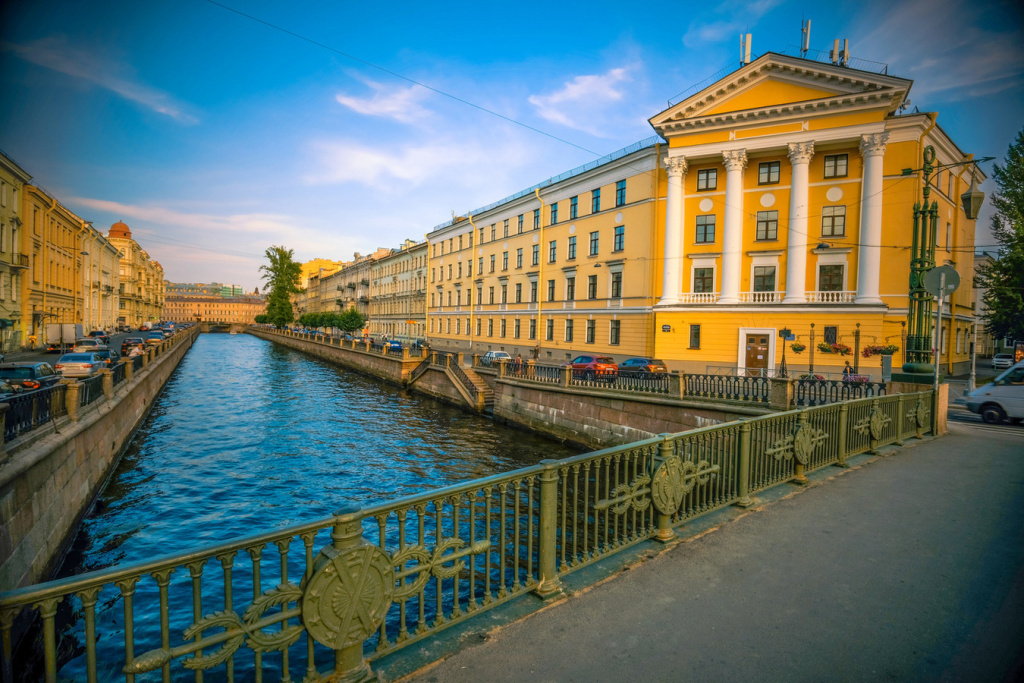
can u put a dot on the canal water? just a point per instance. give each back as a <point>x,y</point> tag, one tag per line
<point>249,436</point>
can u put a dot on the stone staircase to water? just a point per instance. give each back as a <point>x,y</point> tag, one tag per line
<point>482,388</point>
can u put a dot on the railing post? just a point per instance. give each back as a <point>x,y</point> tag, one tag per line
<point>476,360</point>
<point>873,442</point>
<point>129,369</point>
<point>71,400</point>
<point>147,357</point>
<point>844,421</point>
<point>899,420</point>
<point>781,394</point>
<point>531,369</point>
<point>798,467</point>
<point>548,584</point>
<point>501,368</point>
<point>744,499</point>
<point>108,383</point>
<point>458,359</point>
<point>566,376</point>
<point>666,449</point>
<point>676,385</point>
<point>405,353</point>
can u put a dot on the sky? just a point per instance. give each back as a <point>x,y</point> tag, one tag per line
<point>218,129</point>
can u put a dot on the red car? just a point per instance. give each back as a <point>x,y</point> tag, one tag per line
<point>594,367</point>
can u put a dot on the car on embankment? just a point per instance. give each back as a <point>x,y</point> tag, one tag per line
<point>79,365</point>
<point>1002,360</point>
<point>643,368</point>
<point>87,344</point>
<point>1001,398</point>
<point>154,338</point>
<point>602,368</point>
<point>29,375</point>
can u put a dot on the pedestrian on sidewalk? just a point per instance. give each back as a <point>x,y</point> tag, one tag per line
<point>847,372</point>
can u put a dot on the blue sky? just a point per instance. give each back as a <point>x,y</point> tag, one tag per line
<point>214,135</point>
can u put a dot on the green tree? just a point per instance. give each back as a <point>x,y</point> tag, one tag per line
<point>1004,279</point>
<point>282,275</point>
<point>262,319</point>
<point>351,320</point>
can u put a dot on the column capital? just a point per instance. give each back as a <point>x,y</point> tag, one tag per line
<point>801,152</point>
<point>735,159</point>
<point>676,166</point>
<point>873,144</point>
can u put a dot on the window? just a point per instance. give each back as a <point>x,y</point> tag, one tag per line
<point>833,221</point>
<point>568,330</point>
<point>494,235</point>
<point>572,248</point>
<point>617,285</point>
<point>594,241</point>
<point>619,241</point>
<point>549,334</point>
<point>490,295</point>
<point>705,229</point>
<point>703,280</point>
<point>504,260</point>
<point>515,329</point>
<point>707,179</point>
<point>831,334</point>
<point>830,278</point>
<point>492,262</point>
<point>949,236</point>
<point>620,193</point>
<point>519,257</point>
<point>448,325</point>
<point>574,207</point>
<point>764,278</point>
<point>449,298</point>
<point>551,290</point>
<point>504,294</point>
<point>552,251</point>
<point>458,326</point>
<point>591,286</point>
<point>613,332</point>
<point>449,271</point>
<point>469,268</point>
<point>480,265</point>
<point>554,213</point>
<point>504,228</point>
<point>536,255</point>
<point>460,269</point>
<point>590,331</point>
<point>570,289</point>
<point>694,336</point>
<point>502,327</point>
<point>536,219</point>
<point>533,291</point>
<point>836,165</point>
<point>490,327</point>
<point>481,235</point>
<point>767,225</point>
<point>533,328</point>
<point>478,327</point>
<point>520,226</point>
<point>595,200</point>
<point>519,292</point>
<point>768,173</point>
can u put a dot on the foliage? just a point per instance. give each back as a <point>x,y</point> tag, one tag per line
<point>262,319</point>
<point>282,275</point>
<point>351,320</point>
<point>797,347</point>
<point>841,349</point>
<point>810,376</point>
<point>1004,279</point>
<point>883,350</point>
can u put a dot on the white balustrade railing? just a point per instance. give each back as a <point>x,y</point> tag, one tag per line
<point>698,297</point>
<point>831,297</point>
<point>761,297</point>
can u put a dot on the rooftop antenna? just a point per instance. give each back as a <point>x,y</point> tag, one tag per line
<point>805,38</point>
<point>840,57</point>
<point>745,49</point>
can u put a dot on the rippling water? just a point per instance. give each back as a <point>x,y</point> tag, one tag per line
<point>248,436</point>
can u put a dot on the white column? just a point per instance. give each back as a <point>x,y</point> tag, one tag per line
<point>672,281</point>
<point>872,148</point>
<point>800,154</point>
<point>732,234</point>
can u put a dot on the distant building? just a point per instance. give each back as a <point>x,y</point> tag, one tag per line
<point>398,293</point>
<point>216,309</point>
<point>141,285</point>
<point>202,290</point>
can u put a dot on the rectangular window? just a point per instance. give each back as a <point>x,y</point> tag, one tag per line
<point>830,278</point>
<point>520,226</point>
<point>768,172</point>
<point>554,213</point>
<point>570,289</point>
<point>478,327</point>
<point>481,236</point>
<point>504,294</point>
<point>767,225</point>
<point>836,165</point>
<point>572,249</point>
<point>460,269</point>
<point>551,290</point>
<point>490,295</point>
<point>490,327</point>
<point>705,229</point>
<point>533,291</point>
<point>503,327</point>
<point>494,234</point>
<point>568,330</point>
<point>533,328</point>
<point>469,268</point>
<point>549,334</point>
<point>574,207</point>
<point>519,292</point>
<point>552,251</point>
<point>504,260</point>
<point>764,278</point>
<point>707,179</point>
<point>536,219</point>
<point>833,221</point>
<point>619,240</point>
<point>449,271</point>
<point>536,255</point>
<point>590,331</point>
<point>694,336</point>
<point>831,334</point>
<point>515,329</point>
<point>519,257</point>
<point>595,200</point>
<point>620,193</point>
<point>594,242</point>
<point>703,280</point>
<point>613,332</point>
<point>504,228</point>
<point>493,257</point>
<point>617,285</point>
<point>591,286</point>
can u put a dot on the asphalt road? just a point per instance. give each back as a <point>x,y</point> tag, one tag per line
<point>910,567</point>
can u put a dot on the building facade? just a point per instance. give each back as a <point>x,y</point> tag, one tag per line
<point>13,263</point>
<point>141,280</point>
<point>100,281</point>
<point>214,309</point>
<point>398,293</point>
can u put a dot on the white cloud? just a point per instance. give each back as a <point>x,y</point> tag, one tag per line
<point>400,104</point>
<point>54,53</point>
<point>268,224</point>
<point>742,16</point>
<point>582,102</point>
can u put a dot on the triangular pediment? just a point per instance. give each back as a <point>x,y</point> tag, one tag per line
<point>779,85</point>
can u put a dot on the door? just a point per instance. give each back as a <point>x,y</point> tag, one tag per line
<point>757,354</point>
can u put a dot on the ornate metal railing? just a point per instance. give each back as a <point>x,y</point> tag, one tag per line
<point>366,582</point>
<point>89,390</point>
<point>137,363</point>
<point>31,409</point>
<point>118,373</point>
<point>817,392</point>
<point>752,389</point>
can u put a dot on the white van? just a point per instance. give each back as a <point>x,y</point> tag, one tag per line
<point>1002,398</point>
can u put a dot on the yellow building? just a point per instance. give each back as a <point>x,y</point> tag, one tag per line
<point>12,261</point>
<point>778,198</point>
<point>216,309</point>
<point>398,293</point>
<point>141,284</point>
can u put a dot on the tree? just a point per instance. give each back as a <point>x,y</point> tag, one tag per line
<point>282,275</point>
<point>262,319</point>
<point>351,320</point>
<point>1004,278</point>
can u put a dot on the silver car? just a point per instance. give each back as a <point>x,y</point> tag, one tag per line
<point>87,344</point>
<point>1001,361</point>
<point>79,365</point>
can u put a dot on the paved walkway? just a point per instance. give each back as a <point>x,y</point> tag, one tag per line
<point>910,567</point>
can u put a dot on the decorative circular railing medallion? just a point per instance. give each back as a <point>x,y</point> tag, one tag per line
<point>922,412</point>
<point>667,485</point>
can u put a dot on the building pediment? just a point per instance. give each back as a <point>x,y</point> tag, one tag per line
<point>778,87</point>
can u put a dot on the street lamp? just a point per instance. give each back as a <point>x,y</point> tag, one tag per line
<point>922,259</point>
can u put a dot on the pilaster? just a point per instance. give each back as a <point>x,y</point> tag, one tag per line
<point>675,219</point>
<point>732,236</point>
<point>800,154</point>
<point>872,148</point>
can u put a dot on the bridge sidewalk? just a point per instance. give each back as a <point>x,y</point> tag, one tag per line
<point>909,567</point>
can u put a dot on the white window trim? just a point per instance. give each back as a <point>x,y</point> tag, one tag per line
<point>831,259</point>
<point>704,262</point>
<point>765,260</point>
<point>741,352</point>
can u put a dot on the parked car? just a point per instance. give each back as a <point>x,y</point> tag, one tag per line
<point>109,356</point>
<point>1002,360</point>
<point>649,368</point>
<point>494,357</point>
<point>594,367</point>
<point>154,338</point>
<point>393,345</point>
<point>79,364</point>
<point>29,375</point>
<point>130,342</point>
<point>87,344</point>
<point>101,335</point>
<point>1000,399</point>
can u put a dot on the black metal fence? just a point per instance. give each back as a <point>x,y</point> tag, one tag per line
<point>819,392</point>
<point>89,390</point>
<point>31,409</point>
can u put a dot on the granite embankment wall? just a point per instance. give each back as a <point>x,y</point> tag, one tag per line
<point>50,475</point>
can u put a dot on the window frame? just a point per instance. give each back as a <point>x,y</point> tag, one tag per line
<point>834,159</point>
<point>701,229</point>
<point>708,178</point>
<point>595,243</point>
<point>766,170</point>
<point>764,217</point>
<point>620,193</point>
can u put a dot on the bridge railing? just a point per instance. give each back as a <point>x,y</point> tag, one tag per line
<point>369,581</point>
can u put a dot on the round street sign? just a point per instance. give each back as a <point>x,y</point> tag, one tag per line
<point>941,281</point>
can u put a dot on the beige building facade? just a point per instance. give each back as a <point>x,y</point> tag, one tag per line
<point>242,310</point>
<point>12,262</point>
<point>398,293</point>
<point>141,280</point>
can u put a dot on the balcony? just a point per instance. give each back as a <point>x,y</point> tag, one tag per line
<point>698,297</point>
<point>761,297</point>
<point>831,297</point>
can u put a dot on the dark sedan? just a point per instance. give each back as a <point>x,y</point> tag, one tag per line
<point>29,375</point>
